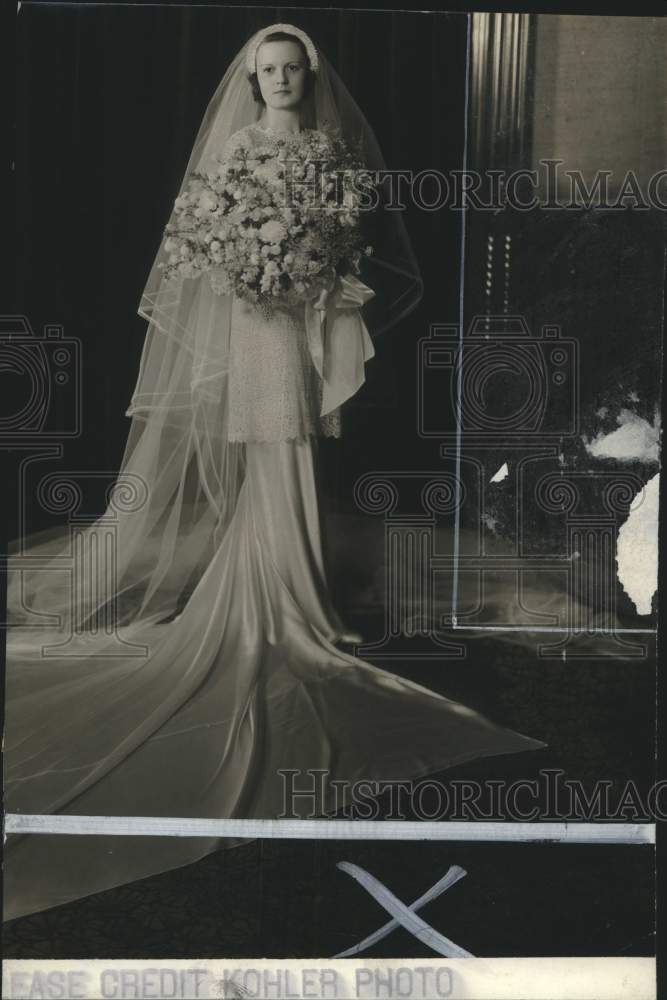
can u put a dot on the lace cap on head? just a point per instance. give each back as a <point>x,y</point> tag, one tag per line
<point>289,29</point>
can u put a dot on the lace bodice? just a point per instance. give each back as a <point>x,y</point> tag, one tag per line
<point>254,135</point>
<point>275,392</point>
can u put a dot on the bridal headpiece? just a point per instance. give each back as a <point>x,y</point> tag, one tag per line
<point>289,29</point>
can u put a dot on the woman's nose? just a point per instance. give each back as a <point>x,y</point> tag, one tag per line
<point>282,75</point>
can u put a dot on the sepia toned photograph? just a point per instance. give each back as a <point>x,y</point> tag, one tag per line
<point>332,410</point>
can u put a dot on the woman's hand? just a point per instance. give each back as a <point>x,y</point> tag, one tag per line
<point>321,301</point>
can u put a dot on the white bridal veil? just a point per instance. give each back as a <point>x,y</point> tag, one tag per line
<point>180,476</point>
<point>123,697</point>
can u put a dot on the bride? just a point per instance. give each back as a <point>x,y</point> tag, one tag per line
<point>214,661</point>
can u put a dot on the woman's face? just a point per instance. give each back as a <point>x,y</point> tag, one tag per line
<point>281,73</point>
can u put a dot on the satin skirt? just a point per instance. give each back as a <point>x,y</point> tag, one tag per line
<point>245,684</point>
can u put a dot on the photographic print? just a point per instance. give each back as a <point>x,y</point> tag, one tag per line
<point>333,382</point>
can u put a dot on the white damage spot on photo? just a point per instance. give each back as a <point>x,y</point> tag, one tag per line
<point>502,473</point>
<point>637,548</point>
<point>634,440</point>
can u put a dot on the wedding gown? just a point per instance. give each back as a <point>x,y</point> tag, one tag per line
<point>244,683</point>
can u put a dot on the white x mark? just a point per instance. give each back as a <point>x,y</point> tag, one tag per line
<point>405,916</point>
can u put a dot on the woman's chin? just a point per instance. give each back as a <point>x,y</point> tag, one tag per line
<point>285,104</point>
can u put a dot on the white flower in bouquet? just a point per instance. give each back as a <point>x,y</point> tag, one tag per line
<point>269,171</point>
<point>272,231</point>
<point>207,201</point>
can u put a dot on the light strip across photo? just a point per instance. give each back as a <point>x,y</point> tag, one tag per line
<point>322,829</point>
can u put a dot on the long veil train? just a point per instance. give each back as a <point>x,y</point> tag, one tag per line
<point>184,680</point>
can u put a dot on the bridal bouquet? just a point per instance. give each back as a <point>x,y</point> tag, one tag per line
<point>274,222</point>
